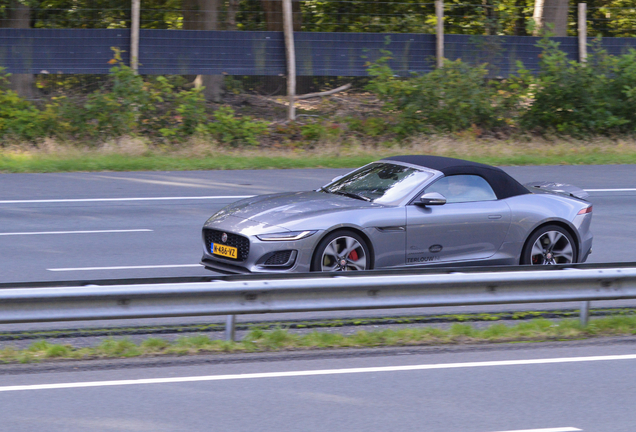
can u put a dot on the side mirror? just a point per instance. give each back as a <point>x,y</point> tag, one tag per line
<point>432,198</point>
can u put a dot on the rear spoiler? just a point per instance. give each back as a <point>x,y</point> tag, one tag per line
<point>566,189</point>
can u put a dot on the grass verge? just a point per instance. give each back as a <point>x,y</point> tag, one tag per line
<point>316,324</point>
<point>281,339</point>
<point>136,155</point>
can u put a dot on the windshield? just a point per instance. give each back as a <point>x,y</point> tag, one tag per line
<point>379,182</point>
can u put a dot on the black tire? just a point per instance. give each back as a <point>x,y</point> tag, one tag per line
<point>549,245</point>
<point>341,251</point>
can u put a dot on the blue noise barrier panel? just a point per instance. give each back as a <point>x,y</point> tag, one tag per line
<point>262,53</point>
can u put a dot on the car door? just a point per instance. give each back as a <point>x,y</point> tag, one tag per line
<point>472,225</point>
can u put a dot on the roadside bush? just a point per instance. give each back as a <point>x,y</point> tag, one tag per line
<point>173,114</point>
<point>322,130</point>
<point>21,119</point>
<point>621,91</point>
<point>370,126</point>
<point>109,112</point>
<point>582,98</point>
<point>232,130</point>
<point>565,97</point>
<point>453,98</point>
<point>130,105</point>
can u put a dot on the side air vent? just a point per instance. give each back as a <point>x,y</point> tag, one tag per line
<point>284,258</point>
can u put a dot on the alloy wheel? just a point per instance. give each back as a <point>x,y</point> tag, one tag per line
<point>551,248</point>
<point>344,254</point>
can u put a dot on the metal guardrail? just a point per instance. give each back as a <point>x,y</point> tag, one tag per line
<point>305,293</point>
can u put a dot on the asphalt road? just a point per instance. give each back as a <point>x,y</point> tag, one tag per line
<point>79,226</point>
<point>565,387</point>
<point>116,225</point>
<point>120,225</point>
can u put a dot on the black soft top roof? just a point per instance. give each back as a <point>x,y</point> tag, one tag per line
<point>502,184</point>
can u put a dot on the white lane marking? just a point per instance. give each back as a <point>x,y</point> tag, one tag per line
<point>611,190</point>
<point>314,372</point>
<point>189,182</point>
<point>74,232</point>
<point>125,267</point>
<point>563,429</point>
<point>79,200</point>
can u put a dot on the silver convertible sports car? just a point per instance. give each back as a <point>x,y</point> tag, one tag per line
<point>403,211</point>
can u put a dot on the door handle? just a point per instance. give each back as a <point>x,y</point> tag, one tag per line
<point>494,216</point>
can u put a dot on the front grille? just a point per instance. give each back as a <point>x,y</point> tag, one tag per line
<point>278,259</point>
<point>242,244</point>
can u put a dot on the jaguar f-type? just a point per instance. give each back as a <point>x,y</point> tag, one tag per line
<point>402,212</point>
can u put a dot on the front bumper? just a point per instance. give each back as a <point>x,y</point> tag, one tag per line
<point>265,257</point>
<point>221,267</point>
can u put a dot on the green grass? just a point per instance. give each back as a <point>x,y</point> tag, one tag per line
<point>49,163</point>
<point>259,340</point>
<point>150,331</point>
<point>502,153</point>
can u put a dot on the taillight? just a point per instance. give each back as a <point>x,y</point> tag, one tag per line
<point>587,209</point>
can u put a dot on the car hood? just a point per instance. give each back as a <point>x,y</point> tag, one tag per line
<point>280,209</point>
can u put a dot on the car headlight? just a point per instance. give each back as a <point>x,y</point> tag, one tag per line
<point>286,236</point>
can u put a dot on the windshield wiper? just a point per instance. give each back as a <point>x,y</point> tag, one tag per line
<point>352,195</point>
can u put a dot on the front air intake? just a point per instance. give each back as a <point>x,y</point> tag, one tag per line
<point>242,244</point>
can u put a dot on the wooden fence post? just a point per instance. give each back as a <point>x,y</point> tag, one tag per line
<point>439,13</point>
<point>288,27</point>
<point>582,32</point>
<point>134,35</point>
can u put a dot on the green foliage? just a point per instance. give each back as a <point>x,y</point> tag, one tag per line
<point>117,348</point>
<point>229,129</point>
<point>281,339</point>
<point>512,17</point>
<point>199,341</point>
<point>453,98</point>
<point>566,97</point>
<point>322,130</point>
<point>411,16</point>
<point>370,126</point>
<point>132,106</point>
<point>20,118</point>
<point>127,105</point>
<point>153,345</point>
<point>575,98</point>
<point>621,88</point>
<point>116,112</point>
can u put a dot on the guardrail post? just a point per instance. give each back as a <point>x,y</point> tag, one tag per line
<point>230,328</point>
<point>585,313</point>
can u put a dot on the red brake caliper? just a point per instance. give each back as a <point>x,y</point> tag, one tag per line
<point>353,256</point>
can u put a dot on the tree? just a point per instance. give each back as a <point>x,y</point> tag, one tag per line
<point>551,16</point>
<point>204,15</point>
<point>274,15</point>
<point>18,15</point>
<point>519,27</point>
<point>274,22</point>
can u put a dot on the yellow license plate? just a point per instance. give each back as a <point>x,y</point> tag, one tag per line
<point>226,251</point>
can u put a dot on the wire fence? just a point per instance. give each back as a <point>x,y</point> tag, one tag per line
<point>330,30</point>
